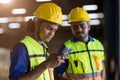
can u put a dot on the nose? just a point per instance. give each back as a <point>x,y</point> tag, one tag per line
<point>79,28</point>
<point>51,33</point>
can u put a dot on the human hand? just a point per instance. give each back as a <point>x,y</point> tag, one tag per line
<point>65,52</point>
<point>54,60</point>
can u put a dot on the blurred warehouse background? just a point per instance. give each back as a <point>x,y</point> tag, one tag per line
<point>15,13</point>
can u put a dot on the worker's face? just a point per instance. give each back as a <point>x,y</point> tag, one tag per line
<point>80,29</point>
<point>47,31</point>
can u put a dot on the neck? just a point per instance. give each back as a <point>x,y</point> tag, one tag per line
<point>85,40</point>
<point>36,39</point>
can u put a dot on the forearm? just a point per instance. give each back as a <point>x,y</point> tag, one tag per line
<point>32,75</point>
<point>51,62</point>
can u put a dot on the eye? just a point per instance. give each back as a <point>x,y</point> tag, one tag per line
<point>55,30</point>
<point>82,25</point>
<point>49,28</point>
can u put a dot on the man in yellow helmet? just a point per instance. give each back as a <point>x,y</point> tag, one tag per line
<point>85,53</point>
<point>29,58</point>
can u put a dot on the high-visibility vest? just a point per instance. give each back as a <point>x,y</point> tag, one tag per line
<point>37,54</point>
<point>85,60</point>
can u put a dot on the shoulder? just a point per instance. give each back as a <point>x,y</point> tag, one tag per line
<point>97,41</point>
<point>68,42</point>
<point>19,49</point>
<point>19,46</point>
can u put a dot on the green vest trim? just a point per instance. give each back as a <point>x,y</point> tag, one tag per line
<point>85,58</point>
<point>37,54</point>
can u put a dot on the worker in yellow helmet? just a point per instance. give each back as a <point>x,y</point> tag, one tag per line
<point>85,53</point>
<point>29,58</point>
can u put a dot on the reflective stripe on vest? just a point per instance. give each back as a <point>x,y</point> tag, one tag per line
<point>84,58</point>
<point>89,75</point>
<point>37,55</point>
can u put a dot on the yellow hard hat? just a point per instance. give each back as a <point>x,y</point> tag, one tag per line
<point>78,14</point>
<point>49,12</point>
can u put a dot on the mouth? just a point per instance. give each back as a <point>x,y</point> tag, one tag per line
<point>79,33</point>
<point>49,38</point>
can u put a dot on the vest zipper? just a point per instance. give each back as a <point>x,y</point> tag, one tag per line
<point>90,61</point>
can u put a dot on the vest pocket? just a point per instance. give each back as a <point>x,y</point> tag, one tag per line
<point>76,63</point>
<point>78,67</point>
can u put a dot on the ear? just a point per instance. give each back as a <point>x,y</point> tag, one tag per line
<point>89,26</point>
<point>30,26</point>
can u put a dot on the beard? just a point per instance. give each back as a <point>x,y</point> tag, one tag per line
<point>48,40</point>
<point>81,36</point>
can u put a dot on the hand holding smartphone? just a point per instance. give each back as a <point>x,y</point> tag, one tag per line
<point>65,52</point>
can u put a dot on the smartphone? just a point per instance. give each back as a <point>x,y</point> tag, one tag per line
<point>66,51</point>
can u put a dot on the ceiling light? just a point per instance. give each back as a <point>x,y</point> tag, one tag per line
<point>93,15</point>
<point>14,25</point>
<point>19,11</point>
<point>1,30</point>
<point>16,19</point>
<point>65,23</point>
<point>95,22</point>
<point>3,20</point>
<point>65,17</point>
<point>96,15</point>
<point>19,19</point>
<point>28,17</point>
<point>101,15</point>
<point>90,7</point>
<point>42,0</point>
<point>4,1</point>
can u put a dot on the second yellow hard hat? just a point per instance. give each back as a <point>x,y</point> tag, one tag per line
<point>78,14</point>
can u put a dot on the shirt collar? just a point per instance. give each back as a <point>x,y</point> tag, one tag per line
<point>76,40</point>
